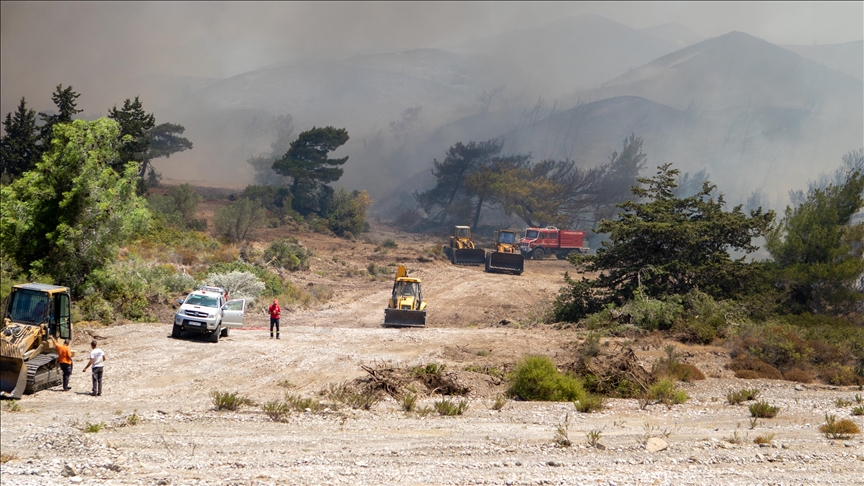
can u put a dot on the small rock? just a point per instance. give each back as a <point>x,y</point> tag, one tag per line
<point>69,471</point>
<point>847,444</point>
<point>799,388</point>
<point>75,479</point>
<point>655,444</point>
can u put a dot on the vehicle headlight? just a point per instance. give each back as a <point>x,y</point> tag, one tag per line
<point>181,313</point>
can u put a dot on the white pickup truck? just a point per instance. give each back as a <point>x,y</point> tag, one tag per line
<point>205,311</point>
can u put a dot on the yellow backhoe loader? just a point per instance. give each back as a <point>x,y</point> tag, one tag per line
<point>506,257</point>
<point>461,250</point>
<point>406,307</point>
<point>28,358</point>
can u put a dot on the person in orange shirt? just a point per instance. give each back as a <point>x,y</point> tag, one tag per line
<point>64,356</point>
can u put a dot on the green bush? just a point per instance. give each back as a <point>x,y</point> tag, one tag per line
<point>536,378</point>
<point>447,408</point>
<point>228,400</point>
<point>653,314</point>
<point>664,391</point>
<point>390,243</point>
<point>238,220</point>
<point>347,212</point>
<point>590,403</point>
<point>743,395</point>
<point>763,409</point>
<point>288,253</point>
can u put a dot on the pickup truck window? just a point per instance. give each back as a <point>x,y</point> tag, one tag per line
<point>202,300</point>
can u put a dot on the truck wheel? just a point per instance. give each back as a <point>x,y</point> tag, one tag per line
<point>214,336</point>
<point>562,255</point>
<point>224,332</point>
<point>538,254</point>
<point>175,331</point>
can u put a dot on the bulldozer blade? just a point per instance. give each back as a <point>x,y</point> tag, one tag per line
<point>506,262</point>
<point>469,256</point>
<point>404,318</point>
<point>13,372</point>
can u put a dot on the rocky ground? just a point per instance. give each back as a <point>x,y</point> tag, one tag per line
<point>159,425</point>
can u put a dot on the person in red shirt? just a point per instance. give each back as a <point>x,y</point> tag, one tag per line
<point>274,311</point>
<point>64,356</point>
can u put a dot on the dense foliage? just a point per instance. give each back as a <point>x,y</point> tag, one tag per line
<point>474,176</point>
<point>818,251</point>
<point>307,164</point>
<point>67,217</point>
<point>666,246</point>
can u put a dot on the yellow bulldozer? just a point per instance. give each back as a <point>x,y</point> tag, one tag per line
<point>28,358</point>
<point>461,250</point>
<point>406,307</point>
<point>506,257</point>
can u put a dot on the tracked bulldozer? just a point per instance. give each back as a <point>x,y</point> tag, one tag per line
<point>461,250</point>
<point>28,358</point>
<point>506,257</point>
<point>406,307</point>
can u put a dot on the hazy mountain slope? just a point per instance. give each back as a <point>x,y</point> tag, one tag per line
<point>572,53</point>
<point>675,33</point>
<point>227,119</point>
<point>847,58</point>
<point>737,69</point>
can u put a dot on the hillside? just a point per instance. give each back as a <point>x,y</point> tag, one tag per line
<point>847,58</point>
<point>737,69</point>
<point>573,53</point>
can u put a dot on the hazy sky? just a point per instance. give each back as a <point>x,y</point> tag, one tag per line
<point>99,46</point>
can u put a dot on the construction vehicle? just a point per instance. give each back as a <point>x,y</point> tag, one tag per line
<point>28,357</point>
<point>406,307</point>
<point>506,257</point>
<point>461,250</point>
<point>539,242</point>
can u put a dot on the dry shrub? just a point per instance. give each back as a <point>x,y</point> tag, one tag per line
<point>840,375</point>
<point>672,367</point>
<point>747,362</point>
<point>188,256</point>
<point>842,429</point>
<point>225,254</point>
<point>611,371</point>
<point>746,375</point>
<point>798,375</point>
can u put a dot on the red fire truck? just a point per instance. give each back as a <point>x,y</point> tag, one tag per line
<point>539,242</point>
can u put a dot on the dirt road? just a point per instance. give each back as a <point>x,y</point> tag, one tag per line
<point>179,438</point>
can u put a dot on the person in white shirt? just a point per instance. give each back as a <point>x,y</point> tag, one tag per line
<point>97,362</point>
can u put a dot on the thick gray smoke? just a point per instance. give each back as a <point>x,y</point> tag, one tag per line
<point>410,79</point>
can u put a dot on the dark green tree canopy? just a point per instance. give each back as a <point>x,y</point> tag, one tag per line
<point>19,147</point>
<point>310,169</point>
<point>66,102</point>
<point>668,245</point>
<point>134,124</point>
<point>164,140</point>
<point>817,248</point>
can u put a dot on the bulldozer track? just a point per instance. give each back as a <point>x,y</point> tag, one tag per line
<point>33,367</point>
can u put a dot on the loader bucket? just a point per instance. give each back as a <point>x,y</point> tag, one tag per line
<point>505,262</point>
<point>404,318</point>
<point>467,256</point>
<point>13,373</point>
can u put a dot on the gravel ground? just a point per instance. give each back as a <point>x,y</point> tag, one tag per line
<point>181,439</point>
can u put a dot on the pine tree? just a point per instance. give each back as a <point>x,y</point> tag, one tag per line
<point>19,147</point>
<point>134,123</point>
<point>310,170</point>
<point>65,101</point>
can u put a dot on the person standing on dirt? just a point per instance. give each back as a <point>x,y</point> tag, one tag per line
<point>64,356</point>
<point>274,311</point>
<point>97,361</point>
